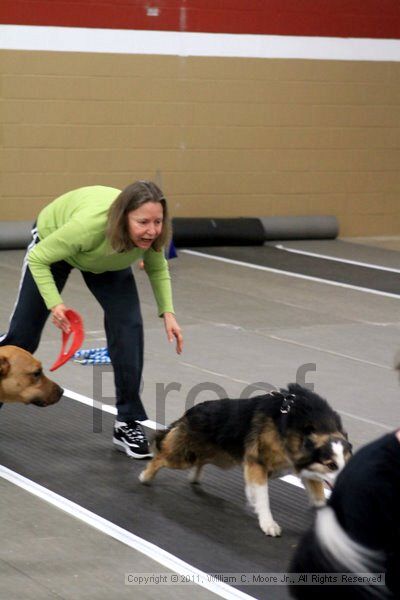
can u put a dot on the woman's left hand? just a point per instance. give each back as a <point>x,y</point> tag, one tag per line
<point>173,331</point>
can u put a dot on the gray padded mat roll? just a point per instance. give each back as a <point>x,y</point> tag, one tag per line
<point>197,231</point>
<point>15,234</point>
<point>300,228</point>
<point>212,232</point>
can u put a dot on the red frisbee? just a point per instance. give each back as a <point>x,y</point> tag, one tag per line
<point>77,333</point>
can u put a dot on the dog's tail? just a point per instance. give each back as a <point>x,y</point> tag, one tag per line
<point>158,438</point>
<point>345,554</point>
<point>160,435</point>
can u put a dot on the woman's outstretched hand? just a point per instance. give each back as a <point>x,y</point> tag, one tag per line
<point>173,331</point>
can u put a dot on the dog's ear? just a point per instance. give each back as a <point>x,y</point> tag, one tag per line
<point>396,361</point>
<point>4,366</point>
<point>348,445</point>
<point>306,453</point>
<point>308,429</point>
<point>308,444</point>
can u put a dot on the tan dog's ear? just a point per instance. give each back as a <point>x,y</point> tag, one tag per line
<point>4,366</point>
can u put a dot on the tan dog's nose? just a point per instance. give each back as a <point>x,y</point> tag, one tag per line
<point>58,393</point>
<point>52,398</point>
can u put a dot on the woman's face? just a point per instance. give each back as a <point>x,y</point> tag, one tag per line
<point>145,224</point>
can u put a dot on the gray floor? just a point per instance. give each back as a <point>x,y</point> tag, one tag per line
<point>242,326</point>
<point>48,555</point>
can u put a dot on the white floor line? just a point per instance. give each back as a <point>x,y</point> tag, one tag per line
<point>369,421</point>
<point>291,274</point>
<point>106,408</point>
<point>342,412</point>
<point>150,550</point>
<point>336,259</point>
<point>293,480</point>
<point>197,368</point>
<point>340,354</point>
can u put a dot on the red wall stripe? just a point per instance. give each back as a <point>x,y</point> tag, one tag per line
<point>337,18</point>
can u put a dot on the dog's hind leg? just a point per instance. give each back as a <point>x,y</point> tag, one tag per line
<point>194,474</point>
<point>256,479</point>
<point>157,463</point>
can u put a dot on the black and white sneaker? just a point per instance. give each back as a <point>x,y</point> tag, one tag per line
<point>129,437</point>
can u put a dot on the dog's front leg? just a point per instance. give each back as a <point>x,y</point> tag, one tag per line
<point>194,474</point>
<point>256,479</point>
<point>316,491</point>
<point>152,468</point>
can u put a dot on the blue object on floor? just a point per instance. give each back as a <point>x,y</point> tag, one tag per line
<point>171,253</point>
<point>92,356</point>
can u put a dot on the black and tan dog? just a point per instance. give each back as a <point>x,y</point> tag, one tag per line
<point>22,379</point>
<point>292,430</point>
<point>358,532</point>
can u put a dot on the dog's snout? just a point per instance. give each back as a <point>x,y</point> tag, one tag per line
<point>56,392</point>
<point>38,403</point>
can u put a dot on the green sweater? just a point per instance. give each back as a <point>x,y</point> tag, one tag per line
<point>72,228</point>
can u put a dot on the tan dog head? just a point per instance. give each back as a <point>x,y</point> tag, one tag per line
<point>22,379</point>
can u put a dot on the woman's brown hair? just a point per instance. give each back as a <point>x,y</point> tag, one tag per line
<point>132,198</point>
